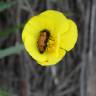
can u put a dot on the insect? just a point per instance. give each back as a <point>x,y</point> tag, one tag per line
<point>42,40</point>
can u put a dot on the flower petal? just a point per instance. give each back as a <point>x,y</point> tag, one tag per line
<point>53,58</point>
<point>63,36</point>
<point>68,37</point>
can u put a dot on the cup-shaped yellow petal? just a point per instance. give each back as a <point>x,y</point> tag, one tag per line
<point>62,36</point>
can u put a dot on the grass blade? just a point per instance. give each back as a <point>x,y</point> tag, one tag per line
<point>10,30</point>
<point>12,50</point>
<point>6,5</point>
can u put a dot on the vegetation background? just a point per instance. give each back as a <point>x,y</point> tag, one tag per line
<point>20,75</point>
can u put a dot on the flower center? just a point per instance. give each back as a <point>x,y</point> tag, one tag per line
<point>42,40</point>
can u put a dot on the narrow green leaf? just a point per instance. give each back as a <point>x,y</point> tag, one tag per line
<point>12,50</point>
<point>4,93</point>
<point>10,30</point>
<point>6,5</point>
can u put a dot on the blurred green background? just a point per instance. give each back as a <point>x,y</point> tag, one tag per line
<point>20,75</point>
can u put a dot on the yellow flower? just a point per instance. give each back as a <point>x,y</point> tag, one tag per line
<point>48,36</point>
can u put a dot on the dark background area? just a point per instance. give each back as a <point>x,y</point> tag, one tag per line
<point>20,75</point>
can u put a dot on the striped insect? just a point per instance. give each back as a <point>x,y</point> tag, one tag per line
<point>42,40</point>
